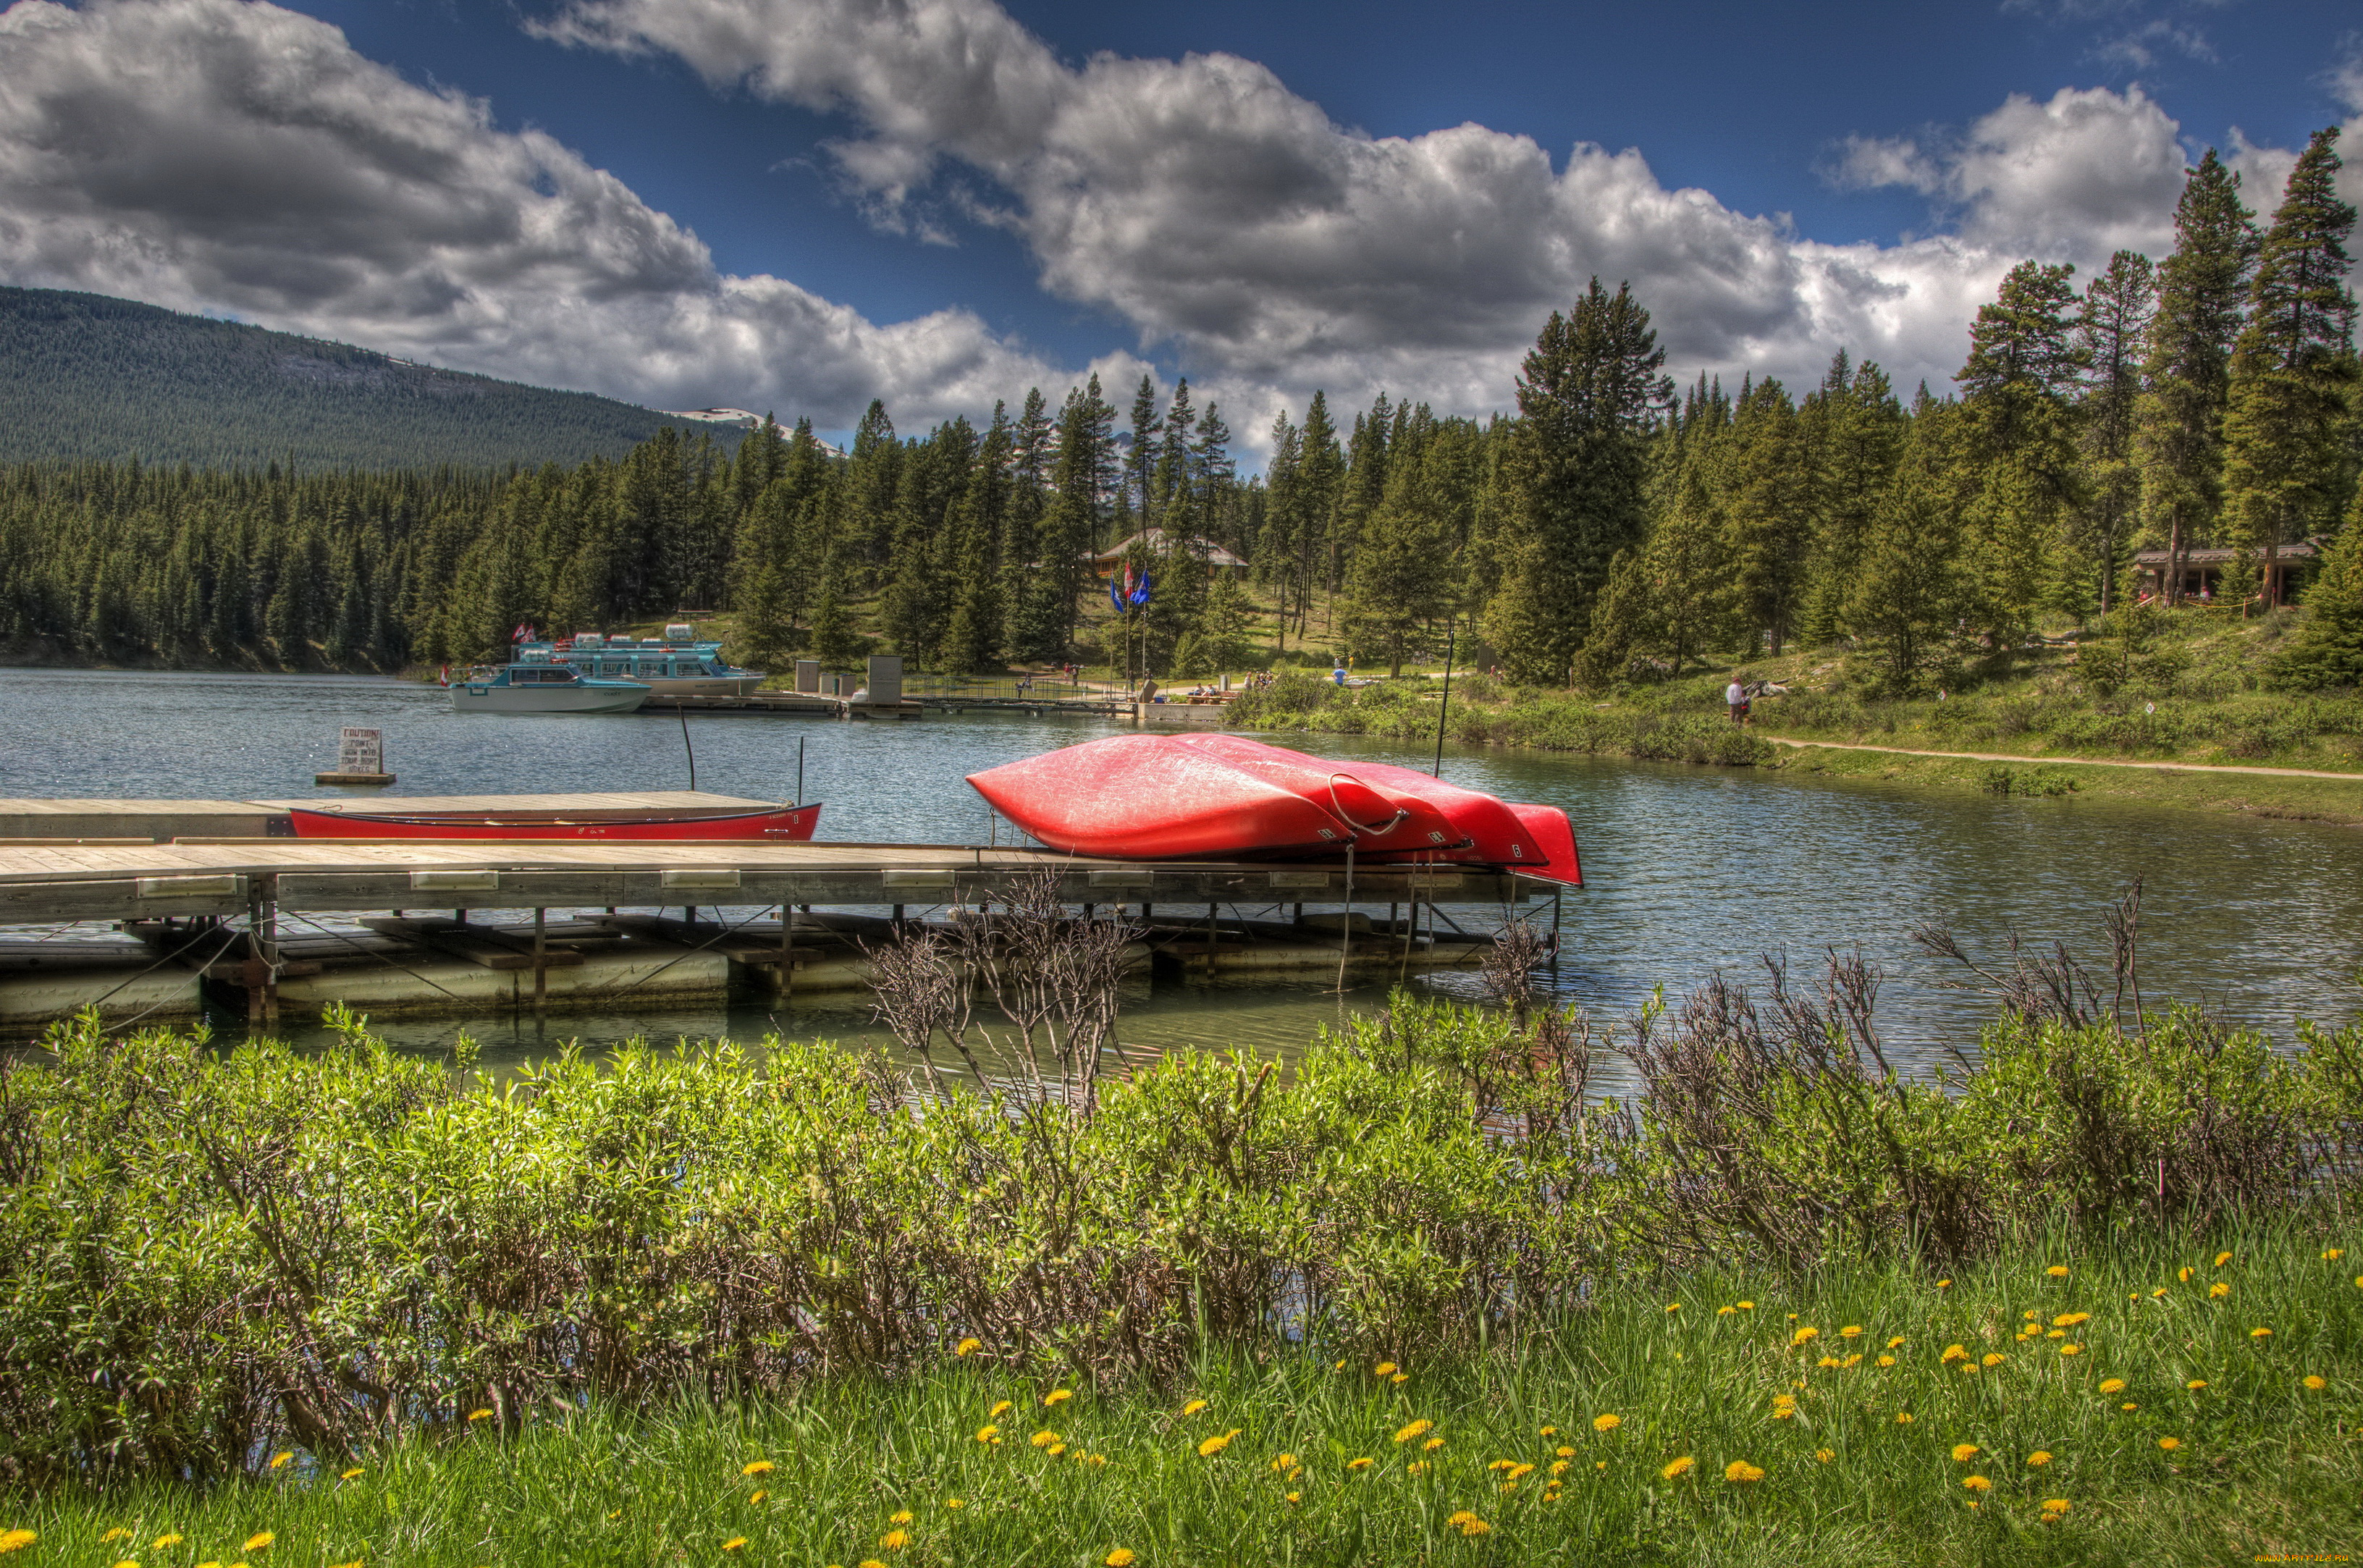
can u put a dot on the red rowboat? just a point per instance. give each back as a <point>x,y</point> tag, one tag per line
<point>789,824</point>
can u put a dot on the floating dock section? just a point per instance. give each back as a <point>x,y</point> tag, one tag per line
<point>266,925</point>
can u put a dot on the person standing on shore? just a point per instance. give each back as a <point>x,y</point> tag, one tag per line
<point>1735,694</point>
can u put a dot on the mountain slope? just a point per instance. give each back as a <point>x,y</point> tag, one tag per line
<point>83,375</point>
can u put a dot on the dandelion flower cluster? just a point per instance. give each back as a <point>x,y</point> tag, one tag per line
<point>1741,1472</point>
<point>1976,1483</point>
<point>1419,1429</point>
<point>1607,1423</point>
<point>16,1540</point>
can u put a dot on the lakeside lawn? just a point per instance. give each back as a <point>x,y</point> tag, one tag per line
<point>2140,1401</point>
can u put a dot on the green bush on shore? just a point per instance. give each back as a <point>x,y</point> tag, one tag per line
<point>204,1254</point>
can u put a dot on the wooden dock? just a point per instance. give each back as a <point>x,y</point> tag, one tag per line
<point>276,922</point>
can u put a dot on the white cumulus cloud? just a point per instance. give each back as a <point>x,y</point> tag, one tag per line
<point>233,156</point>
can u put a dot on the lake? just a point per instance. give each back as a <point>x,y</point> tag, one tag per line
<point>1691,869</point>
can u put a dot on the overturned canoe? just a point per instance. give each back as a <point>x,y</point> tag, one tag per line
<point>1144,797</point>
<point>793,824</point>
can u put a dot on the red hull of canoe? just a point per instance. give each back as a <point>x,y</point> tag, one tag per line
<point>1384,820</point>
<point>1495,834</point>
<point>792,824</point>
<point>1548,827</point>
<point>1143,797</point>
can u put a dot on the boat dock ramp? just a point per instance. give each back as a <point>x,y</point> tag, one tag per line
<point>158,909</point>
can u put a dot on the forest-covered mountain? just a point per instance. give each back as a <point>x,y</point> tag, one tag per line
<point>82,375</point>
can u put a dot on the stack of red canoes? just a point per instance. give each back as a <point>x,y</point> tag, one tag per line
<point>1194,796</point>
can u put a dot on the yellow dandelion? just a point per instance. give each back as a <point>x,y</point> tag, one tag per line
<point>2056,1334</point>
<point>2219,1290</point>
<point>1903,1418</point>
<point>2183,1274</point>
<point>1943,1285</point>
<point>2072,1319</point>
<point>2195,1384</point>
<point>2222,1259</point>
<point>1431,1445</point>
<point>1457,1517</point>
<point>1964,1452</point>
<point>894,1540</point>
<point>1952,1354</point>
<point>1474,1525</point>
<point>1192,1408</point>
<point>1055,1449</point>
<point>1896,1343</point>
<point>1285,1462</point>
<point>757,1498</point>
<point>2055,1504</point>
<point>1824,1454</point>
<point>1296,1497</point>
<point>1600,1464</point>
<point>1827,1362</point>
<point>16,1540</point>
<point>1607,1423</point>
<point>967,1347</point>
<point>1120,1557</point>
<point>1044,1438</point>
<point>2170,1444</point>
<point>2071,1350</point>
<point>2333,1254</point>
<point>755,1467</point>
<point>2057,1271</point>
<point>1400,1377</point>
<point>1358,1463</point>
<point>1558,1467</point>
<point>257,1540</point>
<point>1547,1431</point>
<point>1976,1483</point>
<point>2316,1382</point>
<point>2260,1333</point>
<point>127,1563</point>
<point>1563,1452</point>
<point>1382,1369</point>
<point>1804,1334</point>
<point>161,1541</point>
<point>1740,1471</point>
<point>1678,1468</point>
<point>1058,1397</point>
<point>1725,1311</point>
<point>1783,1412</point>
<point>1000,1409</point>
<point>480,1414</point>
<point>1416,1429</point>
<point>734,1543</point>
<point>1994,1358</point>
<point>1215,1445</point>
<point>1747,1307</point>
<point>2358,1282</point>
<point>870,1563</point>
<point>2159,1292</point>
<point>278,1459</point>
<point>2039,1458</point>
<point>117,1533</point>
<point>1416,1467</point>
<point>954,1504</point>
<point>1674,1307</point>
<point>986,1434</point>
<point>349,1474</point>
<point>2129,1408</point>
<point>1886,1361</point>
<point>2113,1386</point>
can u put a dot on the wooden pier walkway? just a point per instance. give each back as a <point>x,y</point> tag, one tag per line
<point>384,925</point>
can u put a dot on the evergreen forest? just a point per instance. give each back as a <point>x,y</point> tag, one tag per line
<point>1615,527</point>
<point>85,377</point>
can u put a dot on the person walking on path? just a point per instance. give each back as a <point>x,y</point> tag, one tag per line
<point>1735,694</point>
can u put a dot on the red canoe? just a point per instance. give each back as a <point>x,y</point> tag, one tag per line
<point>1549,831</point>
<point>1493,829</point>
<point>1143,797</point>
<point>1384,820</point>
<point>790,824</point>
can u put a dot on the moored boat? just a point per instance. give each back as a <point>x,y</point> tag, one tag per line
<point>536,685</point>
<point>792,823</point>
<point>673,665</point>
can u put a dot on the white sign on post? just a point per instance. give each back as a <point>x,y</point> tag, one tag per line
<point>361,750</point>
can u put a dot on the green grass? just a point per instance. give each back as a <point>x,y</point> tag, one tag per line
<point>2263,1464</point>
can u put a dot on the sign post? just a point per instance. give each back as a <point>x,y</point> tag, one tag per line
<point>361,758</point>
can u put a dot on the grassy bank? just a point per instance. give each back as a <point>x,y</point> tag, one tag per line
<point>2190,688</point>
<point>2155,1423</point>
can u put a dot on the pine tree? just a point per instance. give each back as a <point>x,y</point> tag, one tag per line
<point>1769,526</point>
<point>2179,422</point>
<point>1911,591</point>
<point>1590,394</point>
<point>2114,329</point>
<point>1280,546</point>
<point>2293,369</point>
<point>1025,634</point>
<point>2019,441</point>
<point>1852,430</point>
<point>2327,648</point>
<point>1082,482</point>
<point>1140,458</point>
<point>1323,474</point>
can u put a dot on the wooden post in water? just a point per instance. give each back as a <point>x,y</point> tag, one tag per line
<point>540,968</point>
<point>787,950</point>
<point>1211,907</point>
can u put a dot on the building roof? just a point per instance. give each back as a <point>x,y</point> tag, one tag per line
<point>1156,541</point>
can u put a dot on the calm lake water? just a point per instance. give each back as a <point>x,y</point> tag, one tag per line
<point>1691,869</point>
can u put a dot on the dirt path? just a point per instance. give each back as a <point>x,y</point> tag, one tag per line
<point>2074,761</point>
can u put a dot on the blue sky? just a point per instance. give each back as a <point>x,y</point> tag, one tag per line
<point>1867,173</point>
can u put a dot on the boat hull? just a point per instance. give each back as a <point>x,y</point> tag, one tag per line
<point>663,687</point>
<point>1384,820</point>
<point>787,824</point>
<point>1550,829</point>
<point>484,696</point>
<point>1143,797</point>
